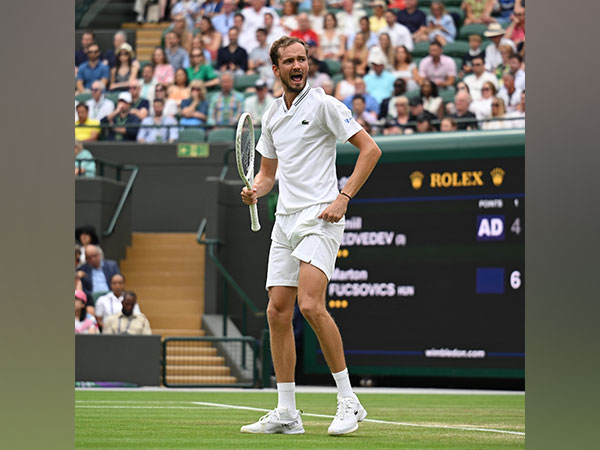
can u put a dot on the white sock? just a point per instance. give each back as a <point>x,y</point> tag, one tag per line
<point>342,381</point>
<point>286,396</point>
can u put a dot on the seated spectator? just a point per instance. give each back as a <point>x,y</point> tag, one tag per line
<point>122,124</point>
<point>304,31</point>
<point>96,273</point>
<point>516,30</point>
<point>274,31</point>
<point>198,44</point>
<point>246,35</point>
<point>474,51</point>
<point>148,83</point>
<point>128,321</point>
<point>432,102</point>
<point>85,323</point>
<point>110,58</point>
<point>385,48</point>
<point>332,42</point>
<point>259,60</point>
<point>412,17</point>
<point>482,107</point>
<point>185,11</point>
<point>316,16</point>
<point>257,104</point>
<point>226,106</point>
<point>498,113</point>
<point>86,235</point>
<point>179,90</point>
<point>327,87</point>
<point>170,106</point>
<point>359,111</point>
<point>125,71</point>
<point>349,17</point>
<point>112,302</point>
<point>84,164</point>
<point>212,38</point>
<point>405,68</point>
<point>314,77</point>
<point>462,100</point>
<point>224,21</point>
<point>506,51</point>
<point>385,112</point>
<point>417,110</point>
<point>211,8</point>
<point>518,113</point>
<point>361,88</point>
<point>86,129</point>
<point>345,86</point>
<point>91,70</point>
<point>377,20</point>
<point>448,124</point>
<point>232,57</point>
<point>399,124</point>
<point>423,124</point>
<point>437,67</point>
<point>78,253</point>
<point>505,11</point>
<point>493,57</point>
<point>399,34</point>
<point>515,63</point>
<point>99,106</point>
<point>478,11</point>
<point>163,71</point>
<point>194,110</point>
<point>87,38</point>
<point>370,39</point>
<point>149,134</point>
<point>201,71</point>
<point>380,82</point>
<point>177,56</point>
<point>509,93</point>
<point>288,17</point>
<point>358,54</point>
<point>140,107</point>
<point>254,18</point>
<point>476,80</point>
<point>440,26</point>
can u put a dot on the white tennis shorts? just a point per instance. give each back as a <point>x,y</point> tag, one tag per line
<point>302,237</point>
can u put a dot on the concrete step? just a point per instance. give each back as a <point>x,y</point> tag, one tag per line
<point>198,370</point>
<point>163,264</point>
<point>188,253</point>
<point>176,321</point>
<point>197,379</point>
<point>163,238</point>
<point>194,361</point>
<point>171,332</point>
<point>168,293</point>
<point>157,306</point>
<point>188,350</point>
<point>135,279</point>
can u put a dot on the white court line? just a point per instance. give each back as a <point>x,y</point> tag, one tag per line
<point>140,407</point>
<point>387,422</point>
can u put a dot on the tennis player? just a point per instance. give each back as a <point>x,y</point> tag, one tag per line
<point>299,132</point>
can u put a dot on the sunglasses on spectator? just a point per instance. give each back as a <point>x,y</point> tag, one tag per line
<point>485,89</point>
<point>132,88</point>
<point>195,89</point>
<point>496,104</point>
<point>197,55</point>
<point>95,89</point>
<point>94,51</point>
<point>477,64</point>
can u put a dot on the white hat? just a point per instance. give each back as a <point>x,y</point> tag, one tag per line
<point>125,96</point>
<point>494,29</point>
<point>376,57</point>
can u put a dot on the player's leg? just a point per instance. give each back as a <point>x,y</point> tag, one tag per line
<point>312,285</point>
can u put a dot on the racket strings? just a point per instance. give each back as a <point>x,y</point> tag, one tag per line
<point>247,149</point>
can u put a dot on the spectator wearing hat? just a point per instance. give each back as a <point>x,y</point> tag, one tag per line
<point>125,71</point>
<point>176,54</point>
<point>91,70</point>
<point>86,129</point>
<point>399,34</point>
<point>493,57</point>
<point>99,106</point>
<point>476,80</point>
<point>417,110</point>
<point>412,17</point>
<point>85,322</point>
<point>304,31</point>
<point>122,125</point>
<point>232,57</point>
<point>257,104</point>
<point>437,67</point>
<point>127,321</point>
<point>380,82</point>
<point>194,110</point>
<point>149,134</point>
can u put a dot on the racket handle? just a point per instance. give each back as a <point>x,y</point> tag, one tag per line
<point>254,223</point>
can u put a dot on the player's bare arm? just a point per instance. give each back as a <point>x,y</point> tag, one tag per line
<point>369,153</point>
<point>263,182</point>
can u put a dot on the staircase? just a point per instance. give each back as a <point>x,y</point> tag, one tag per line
<point>147,37</point>
<point>166,271</point>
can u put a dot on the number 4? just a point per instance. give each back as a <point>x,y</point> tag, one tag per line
<point>516,226</point>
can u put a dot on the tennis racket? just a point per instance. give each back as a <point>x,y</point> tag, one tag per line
<point>244,156</point>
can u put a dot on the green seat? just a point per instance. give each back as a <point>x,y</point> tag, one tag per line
<point>421,49</point>
<point>472,28</point>
<point>113,96</point>
<point>459,12</point>
<point>334,66</point>
<point>452,3</point>
<point>447,94</point>
<point>456,48</point>
<point>413,93</point>
<point>243,82</point>
<point>221,135</point>
<point>192,135</point>
<point>82,98</point>
<point>257,132</point>
<point>97,295</point>
<point>458,62</point>
<point>336,79</point>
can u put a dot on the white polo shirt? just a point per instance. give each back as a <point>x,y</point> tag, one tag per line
<point>303,140</point>
<point>110,304</point>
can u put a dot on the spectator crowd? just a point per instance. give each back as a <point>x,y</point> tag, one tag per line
<point>401,67</point>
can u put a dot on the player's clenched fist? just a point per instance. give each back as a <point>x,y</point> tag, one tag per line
<point>249,197</point>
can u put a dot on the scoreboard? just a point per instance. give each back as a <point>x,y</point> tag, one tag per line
<point>429,278</point>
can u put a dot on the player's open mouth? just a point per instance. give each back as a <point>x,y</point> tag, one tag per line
<point>297,77</point>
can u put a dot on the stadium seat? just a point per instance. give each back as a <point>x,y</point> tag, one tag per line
<point>257,132</point>
<point>242,82</point>
<point>221,135</point>
<point>447,94</point>
<point>113,96</point>
<point>82,98</point>
<point>421,49</point>
<point>456,48</point>
<point>336,79</point>
<point>472,28</point>
<point>192,135</point>
<point>456,13</point>
<point>413,93</point>
<point>334,66</point>
<point>458,62</point>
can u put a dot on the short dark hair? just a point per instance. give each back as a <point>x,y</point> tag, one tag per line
<point>159,100</point>
<point>517,56</point>
<point>481,57</point>
<point>359,97</point>
<point>241,15</point>
<point>130,294</point>
<point>81,104</point>
<point>261,30</point>
<point>435,43</point>
<point>117,274</point>
<point>284,42</point>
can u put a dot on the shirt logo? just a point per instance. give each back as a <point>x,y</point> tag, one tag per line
<point>348,120</point>
<point>305,122</point>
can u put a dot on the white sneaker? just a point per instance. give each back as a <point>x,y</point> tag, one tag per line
<point>276,421</point>
<point>349,413</point>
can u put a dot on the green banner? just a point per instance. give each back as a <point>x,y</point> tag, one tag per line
<point>192,150</point>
